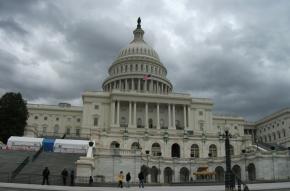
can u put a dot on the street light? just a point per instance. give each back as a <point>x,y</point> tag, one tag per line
<point>229,178</point>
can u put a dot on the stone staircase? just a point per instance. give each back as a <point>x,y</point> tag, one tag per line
<point>9,160</point>
<point>56,162</point>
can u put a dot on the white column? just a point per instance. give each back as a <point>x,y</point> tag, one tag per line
<point>126,85</point>
<point>158,120</point>
<point>146,115</point>
<point>118,113</point>
<point>145,85</point>
<point>112,113</point>
<point>135,115</point>
<point>139,85</point>
<point>130,115</point>
<point>189,123</point>
<point>173,116</point>
<point>184,117</point>
<point>151,86</point>
<point>169,117</point>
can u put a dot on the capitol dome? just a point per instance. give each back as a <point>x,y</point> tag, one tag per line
<point>138,47</point>
<point>138,68</point>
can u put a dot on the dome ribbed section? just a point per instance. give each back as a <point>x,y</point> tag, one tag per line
<point>138,48</point>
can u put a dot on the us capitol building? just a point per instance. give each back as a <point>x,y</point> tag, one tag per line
<point>139,123</point>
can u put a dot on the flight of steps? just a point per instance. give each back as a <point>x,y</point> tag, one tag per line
<point>9,160</point>
<point>56,162</point>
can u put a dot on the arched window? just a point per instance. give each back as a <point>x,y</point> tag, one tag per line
<point>232,151</point>
<point>251,172</point>
<point>284,133</point>
<point>194,151</point>
<point>279,134</point>
<point>175,150</point>
<point>156,150</point>
<point>237,170</point>
<point>115,145</point>
<point>135,146</point>
<point>154,174</point>
<point>213,151</point>
<point>184,174</point>
<point>219,174</point>
<point>168,174</point>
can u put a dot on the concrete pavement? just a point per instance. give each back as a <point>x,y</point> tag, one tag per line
<point>285,186</point>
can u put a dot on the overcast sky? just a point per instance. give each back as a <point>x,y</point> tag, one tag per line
<point>234,52</point>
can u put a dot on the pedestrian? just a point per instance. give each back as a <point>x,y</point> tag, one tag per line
<point>141,180</point>
<point>246,188</point>
<point>72,177</point>
<point>45,176</point>
<point>91,180</point>
<point>120,179</point>
<point>64,175</point>
<point>128,178</point>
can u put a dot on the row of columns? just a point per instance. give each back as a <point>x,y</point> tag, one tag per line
<point>115,121</point>
<point>138,84</point>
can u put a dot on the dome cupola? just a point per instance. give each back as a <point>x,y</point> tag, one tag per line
<point>138,68</point>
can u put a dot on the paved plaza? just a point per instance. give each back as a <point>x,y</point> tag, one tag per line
<point>284,186</point>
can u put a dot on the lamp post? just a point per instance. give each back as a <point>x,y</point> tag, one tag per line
<point>229,182</point>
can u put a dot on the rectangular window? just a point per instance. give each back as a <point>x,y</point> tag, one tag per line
<point>78,132</point>
<point>96,107</point>
<point>68,131</point>
<point>96,121</point>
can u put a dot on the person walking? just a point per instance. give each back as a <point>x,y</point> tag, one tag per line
<point>91,180</point>
<point>72,177</point>
<point>141,180</point>
<point>45,176</point>
<point>128,178</point>
<point>64,175</point>
<point>120,179</point>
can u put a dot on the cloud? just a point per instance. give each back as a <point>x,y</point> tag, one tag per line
<point>235,52</point>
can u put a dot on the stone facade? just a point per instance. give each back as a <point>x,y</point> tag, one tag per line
<point>138,120</point>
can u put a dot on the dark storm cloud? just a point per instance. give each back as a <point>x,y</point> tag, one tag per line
<point>11,26</point>
<point>235,52</point>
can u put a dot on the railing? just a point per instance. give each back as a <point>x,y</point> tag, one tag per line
<point>19,168</point>
<point>65,135</point>
<point>118,152</point>
<point>35,156</point>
